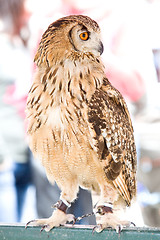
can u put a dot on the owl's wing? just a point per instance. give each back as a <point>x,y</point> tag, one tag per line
<point>112,135</point>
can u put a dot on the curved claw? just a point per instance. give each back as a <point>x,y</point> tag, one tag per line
<point>132,223</point>
<point>74,221</point>
<point>119,229</point>
<point>29,223</point>
<point>32,221</point>
<point>93,230</point>
<point>98,228</point>
<point>57,219</point>
<point>43,227</point>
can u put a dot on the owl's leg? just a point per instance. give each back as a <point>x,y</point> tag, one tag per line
<point>107,213</point>
<point>59,216</point>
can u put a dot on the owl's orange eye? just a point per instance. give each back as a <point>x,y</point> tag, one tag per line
<point>84,36</point>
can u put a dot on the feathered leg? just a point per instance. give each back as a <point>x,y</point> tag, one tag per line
<point>107,211</point>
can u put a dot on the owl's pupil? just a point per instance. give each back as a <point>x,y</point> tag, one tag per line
<point>84,36</point>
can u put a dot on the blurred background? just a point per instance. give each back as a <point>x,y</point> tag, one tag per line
<point>131,38</point>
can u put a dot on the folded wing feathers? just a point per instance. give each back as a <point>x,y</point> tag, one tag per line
<point>119,183</point>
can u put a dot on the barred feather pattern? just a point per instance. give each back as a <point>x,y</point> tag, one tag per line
<point>109,118</point>
<point>78,123</point>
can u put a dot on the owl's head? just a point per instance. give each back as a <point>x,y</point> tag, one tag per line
<point>75,33</point>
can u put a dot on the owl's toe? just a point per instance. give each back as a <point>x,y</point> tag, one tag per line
<point>106,218</point>
<point>58,218</point>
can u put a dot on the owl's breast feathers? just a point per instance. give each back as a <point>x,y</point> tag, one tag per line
<point>73,108</point>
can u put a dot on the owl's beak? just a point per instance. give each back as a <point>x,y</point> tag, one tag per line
<point>100,48</point>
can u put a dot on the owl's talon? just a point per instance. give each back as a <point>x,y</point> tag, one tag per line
<point>57,219</point>
<point>132,223</point>
<point>108,219</point>
<point>43,227</point>
<point>119,229</point>
<point>31,221</point>
<point>73,221</point>
<point>98,228</point>
<point>93,230</point>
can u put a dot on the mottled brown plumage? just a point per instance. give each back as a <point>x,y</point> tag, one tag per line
<point>78,123</point>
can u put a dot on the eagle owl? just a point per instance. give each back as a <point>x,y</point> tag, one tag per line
<point>79,125</point>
